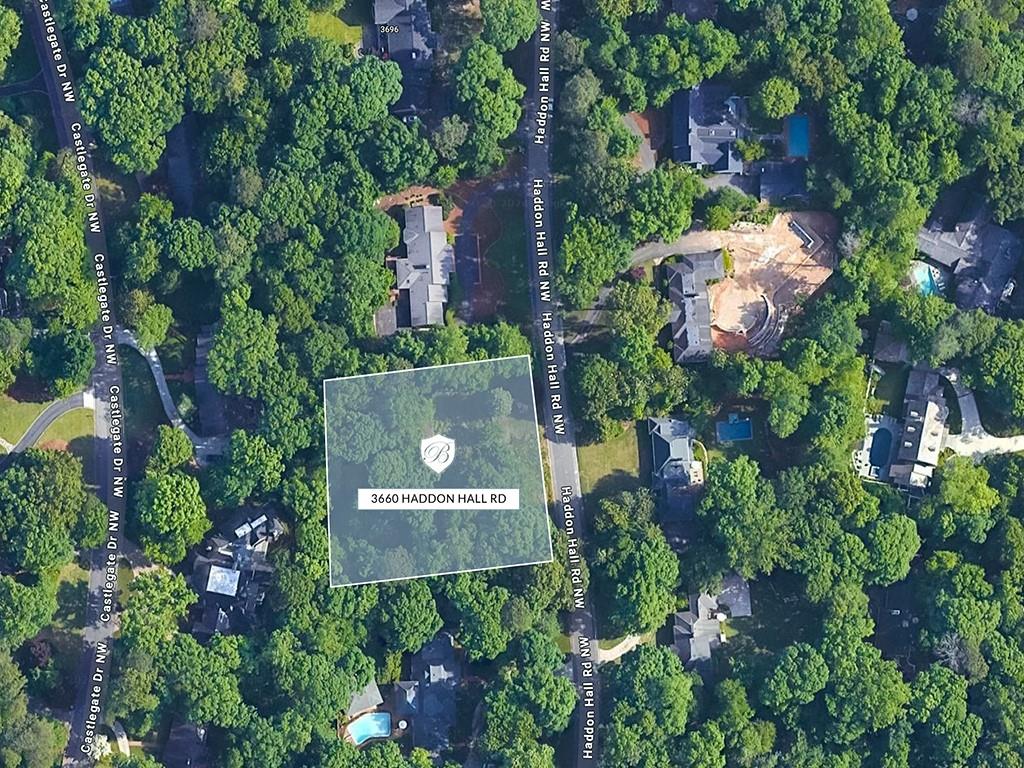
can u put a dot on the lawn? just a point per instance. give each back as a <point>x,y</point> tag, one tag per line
<point>891,387</point>
<point>507,256</point>
<point>16,417</point>
<point>178,355</point>
<point>613,465</point>
<point>69,427</point>
<point>327,26</point>
<point>143,412</point>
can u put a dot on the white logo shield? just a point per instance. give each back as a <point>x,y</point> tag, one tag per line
<point>437,452</point>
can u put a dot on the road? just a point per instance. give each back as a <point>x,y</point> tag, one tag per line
<point>558,421</point>
<point>101,599</point>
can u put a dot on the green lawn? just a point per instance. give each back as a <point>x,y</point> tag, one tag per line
<point>75,431</point>
<point>71,426</point>
<point>891,387</point>
<point>955,422</point>
<point>17,416</point>
<point>143,412</point>
<point>612,466</point>
<point>505,256</point>
<point>330,27</point>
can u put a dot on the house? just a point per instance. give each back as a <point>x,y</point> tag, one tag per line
<point>185,747</point>
<point>424,272</point>
<point>981,255</point>
<point>676,473</point>
<point>698,630</point>
<point>405,36</point>
<point>782,181</point>
<point>924,431</point>
<point>690,316</point>
<point>230,572</point>
<point>706,124</point>
<point>429,698</point>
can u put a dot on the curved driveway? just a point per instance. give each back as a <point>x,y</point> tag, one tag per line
<point>50,414</point>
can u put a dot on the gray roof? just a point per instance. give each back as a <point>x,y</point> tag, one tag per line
<point>411,46</point>
<point>707,121</point>
<point>672,449</point>
<point>185,747</point>
<point>691,308</point>
<point>982,255</point>
<point>783,181</point>
<point>366,699</point>
<point>697,630</point>
<point>735,596</point>
<point>424,272</point>
<point>222,581</point>
<point>437,673</point>
<point>924,430</point>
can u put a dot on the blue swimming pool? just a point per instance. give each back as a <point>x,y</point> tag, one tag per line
<point>372,725</point>
<point>735,430</point>
<point>881,447</point>
<point>923,278</point>
<point>798,136</point>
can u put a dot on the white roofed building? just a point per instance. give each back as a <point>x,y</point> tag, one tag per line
<point>423,274</point>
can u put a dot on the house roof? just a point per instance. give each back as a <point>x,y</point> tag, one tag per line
<point>425,270</point>
<point>707,122</point>
<point>690,316</point>
<point>385,11</point>
<point>672,448</point>
<point>364,700</point>
<point>222,581</point>
<point>735,596</point>
<point>185,747</point>
<point>924,430</point>
<point>437,673</point>
<point>782,181</point>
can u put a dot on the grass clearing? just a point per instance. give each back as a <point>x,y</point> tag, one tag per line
<point>505,256</point>
<point>612,466</point>
<point>143,411</point>
<point>17,416</point>
<point>327,26</point>
<point>891,388</point>
<point>69,427</point>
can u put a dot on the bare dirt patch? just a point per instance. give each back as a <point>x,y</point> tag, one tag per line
<point>774,268</point>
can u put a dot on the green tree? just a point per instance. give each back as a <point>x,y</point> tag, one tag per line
<point>170,516</point>
<point>482,631</point>
<point>25,609</point>
<point>945,733</point>
<point>64,361</point>
<point>171,450</point>
<point>408,616</point>
<point>508,22</point>
<point>132,105</point>
<point>776,98</point>
<point>244,349</point>
<point>42,502</point>
<point>800,674</point>
<point>740,506</point>
<point>252,466</point>
<point>662,203</point>
<point>592,253</point>
<point>10,31</point>
<point>149,320</point>
<point>964,504</point>
<point>157,600</point>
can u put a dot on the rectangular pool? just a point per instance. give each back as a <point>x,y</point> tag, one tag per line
<point>735,430</point>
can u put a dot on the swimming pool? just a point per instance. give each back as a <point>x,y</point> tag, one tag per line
<point>372,725</point>
<point>881,447</point>
<point>735,430</point>
<point>924,279</point>
<point>798,136</point>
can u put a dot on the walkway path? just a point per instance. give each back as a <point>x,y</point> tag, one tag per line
<point>34,84</point>
<point>974,440</point>
<point>621,648</point>
<point>205,447</point>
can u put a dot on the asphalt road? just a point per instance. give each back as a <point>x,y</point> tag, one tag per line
<point>101,620</point>
<point>550,344</point>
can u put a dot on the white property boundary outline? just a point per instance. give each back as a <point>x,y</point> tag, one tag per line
<point>540,464</point>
